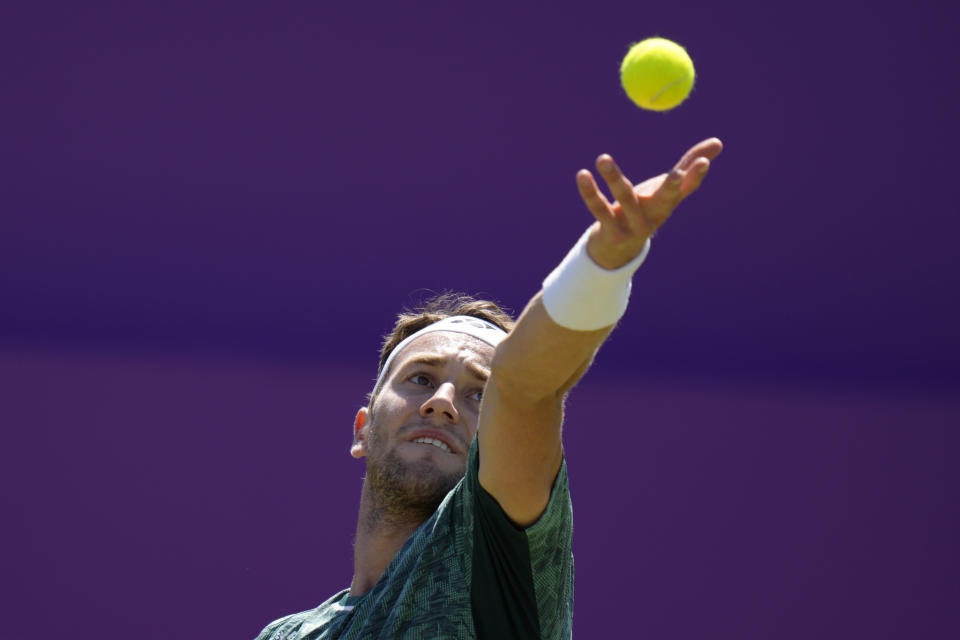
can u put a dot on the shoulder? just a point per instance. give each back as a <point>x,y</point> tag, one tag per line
<point>297,625</point>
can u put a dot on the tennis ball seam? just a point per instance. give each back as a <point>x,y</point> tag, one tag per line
<point>672,84</point>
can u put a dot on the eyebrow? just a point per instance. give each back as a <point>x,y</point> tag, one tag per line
<point>436,361</point>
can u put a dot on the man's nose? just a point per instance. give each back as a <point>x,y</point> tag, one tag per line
<point>441,403</point>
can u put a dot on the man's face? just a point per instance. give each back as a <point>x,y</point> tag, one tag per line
<point>418,431</point>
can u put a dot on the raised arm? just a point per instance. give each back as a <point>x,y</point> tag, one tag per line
<point>556,338</point>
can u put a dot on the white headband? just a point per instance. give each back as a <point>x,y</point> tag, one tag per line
<point>479,329</point>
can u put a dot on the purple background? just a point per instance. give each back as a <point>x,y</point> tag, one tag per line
<point>211,212</point>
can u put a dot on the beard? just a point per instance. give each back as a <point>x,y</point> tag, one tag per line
<point>406,490</point>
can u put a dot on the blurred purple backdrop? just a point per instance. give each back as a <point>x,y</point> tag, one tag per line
<point>211,212</point>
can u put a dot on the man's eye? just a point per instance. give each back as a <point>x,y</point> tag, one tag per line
<point>477,395</point>
<point>420,379</point>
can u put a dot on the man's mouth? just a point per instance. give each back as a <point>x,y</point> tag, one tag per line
<point>434,442</point>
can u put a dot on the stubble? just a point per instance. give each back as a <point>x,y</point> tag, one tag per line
<point>403,490</point>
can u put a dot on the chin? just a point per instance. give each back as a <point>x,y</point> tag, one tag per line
<point>412,485</point>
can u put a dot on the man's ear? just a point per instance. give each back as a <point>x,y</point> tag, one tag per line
<point>360,427</point>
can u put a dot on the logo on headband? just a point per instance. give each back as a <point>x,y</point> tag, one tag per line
<point>476,323</point>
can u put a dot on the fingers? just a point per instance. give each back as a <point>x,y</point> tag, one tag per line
<point>709,149</point>
<point>653,200</point>
<point>620,187</point>
<point>596,202</point>
<point>673,183</point>
<point>694,176</point>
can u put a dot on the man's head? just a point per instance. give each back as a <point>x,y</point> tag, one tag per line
<point>421,417</point>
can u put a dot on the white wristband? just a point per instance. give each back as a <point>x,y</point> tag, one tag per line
<point>583,296</point>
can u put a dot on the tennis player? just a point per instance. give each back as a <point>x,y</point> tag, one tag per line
<point>465,525</point>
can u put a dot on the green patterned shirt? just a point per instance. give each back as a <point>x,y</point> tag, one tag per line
<point>467,572</point>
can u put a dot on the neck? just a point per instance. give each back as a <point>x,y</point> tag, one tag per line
<point>381,533</point>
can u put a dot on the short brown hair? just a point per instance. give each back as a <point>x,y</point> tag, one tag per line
<point>436,308</point>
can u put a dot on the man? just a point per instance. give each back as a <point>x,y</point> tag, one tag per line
<point>465,521</point>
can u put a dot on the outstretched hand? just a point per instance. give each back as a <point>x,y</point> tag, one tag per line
<point>623,226</point>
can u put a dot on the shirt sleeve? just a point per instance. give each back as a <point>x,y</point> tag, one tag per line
<point>522,578</point>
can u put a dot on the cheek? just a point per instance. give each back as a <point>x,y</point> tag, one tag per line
<point>388,402</point>
<point>386,417</point>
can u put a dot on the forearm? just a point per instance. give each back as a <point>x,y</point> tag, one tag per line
<point>540,359</point>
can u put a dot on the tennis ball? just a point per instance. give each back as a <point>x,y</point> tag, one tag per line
<point>657,74</point>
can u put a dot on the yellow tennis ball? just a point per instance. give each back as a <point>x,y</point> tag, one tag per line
<point>657,74</point>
